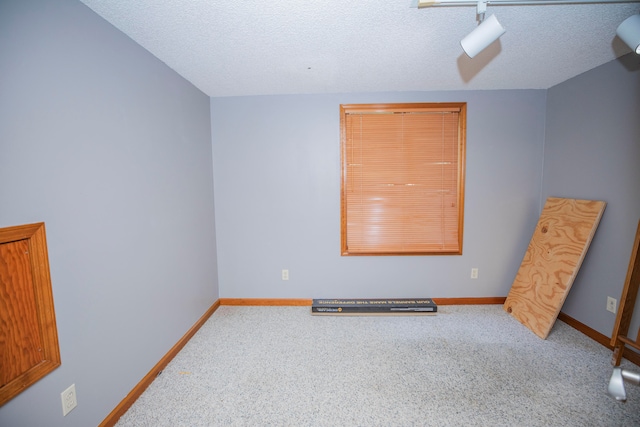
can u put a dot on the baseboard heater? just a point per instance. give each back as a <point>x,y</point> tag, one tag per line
<point>370,307</point>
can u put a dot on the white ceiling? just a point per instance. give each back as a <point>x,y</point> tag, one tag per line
<point>235,48</point>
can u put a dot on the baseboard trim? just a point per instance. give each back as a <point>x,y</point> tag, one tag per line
<point>305,302</point>
<point>265,301</point>
<point>470,301</point>
<point>628,354</point>
<point>133,395</point>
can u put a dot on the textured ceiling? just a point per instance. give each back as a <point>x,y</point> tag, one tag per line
<point>234,48</point>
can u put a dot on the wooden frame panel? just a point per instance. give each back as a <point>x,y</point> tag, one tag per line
<point>35,306</point>
<point>619,335</point>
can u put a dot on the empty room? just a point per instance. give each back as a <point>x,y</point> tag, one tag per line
<point>294,213</point>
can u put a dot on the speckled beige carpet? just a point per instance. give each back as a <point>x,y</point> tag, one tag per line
<point>466,366</point>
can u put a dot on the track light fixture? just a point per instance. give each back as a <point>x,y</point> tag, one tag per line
<point>486,33</point>
<point>616,383</point>
<point>629,32</point>
<point>490,29</point>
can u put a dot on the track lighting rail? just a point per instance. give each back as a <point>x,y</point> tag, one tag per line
<point>449,3</point>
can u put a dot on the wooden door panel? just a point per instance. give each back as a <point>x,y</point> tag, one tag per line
<point>28,336</point>
<point>20,348</point>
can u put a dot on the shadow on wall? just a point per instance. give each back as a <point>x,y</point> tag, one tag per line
<point>469,68</point>
<point>631,61</point>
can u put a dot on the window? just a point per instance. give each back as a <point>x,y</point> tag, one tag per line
<point>402,187</point>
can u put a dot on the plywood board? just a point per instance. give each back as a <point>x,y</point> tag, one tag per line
<point>552,260</point>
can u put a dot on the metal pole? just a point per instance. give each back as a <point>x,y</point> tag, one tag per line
<point>449,3</point>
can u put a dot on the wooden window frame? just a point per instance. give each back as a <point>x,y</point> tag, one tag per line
<point>346,109</point>
<point>45,321</point>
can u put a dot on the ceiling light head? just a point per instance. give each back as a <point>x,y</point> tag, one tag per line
<point>629,32</point>
<point>485,34</point>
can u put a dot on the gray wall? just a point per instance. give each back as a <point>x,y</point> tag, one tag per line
<point>277,186</point>
<point>112,150</point>
<point>592,151</point>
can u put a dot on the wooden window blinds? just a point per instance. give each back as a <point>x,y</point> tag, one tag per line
<point>402,189</point>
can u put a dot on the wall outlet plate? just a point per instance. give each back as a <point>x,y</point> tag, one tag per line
<point>69,400</point>
<point>611,304</point>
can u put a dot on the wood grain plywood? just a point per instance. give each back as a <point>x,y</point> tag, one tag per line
<point>552,260</point>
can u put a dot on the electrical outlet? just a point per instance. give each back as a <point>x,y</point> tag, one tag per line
<point>611,304</point>
<point>285,274</point>
<point>69,400</point>
<point>474,273</point>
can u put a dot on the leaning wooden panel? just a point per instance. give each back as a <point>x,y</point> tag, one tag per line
<point>551,263</point>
